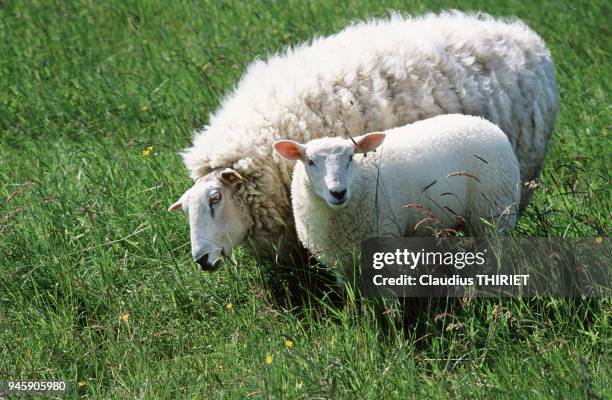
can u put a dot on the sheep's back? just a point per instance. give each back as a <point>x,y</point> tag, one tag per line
<point>382,74</point>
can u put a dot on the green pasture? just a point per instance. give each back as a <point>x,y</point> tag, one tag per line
<point>97,286</point>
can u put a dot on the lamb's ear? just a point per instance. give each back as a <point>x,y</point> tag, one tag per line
<point>180,202</point>
<point>230,177</point>
<point>369,142</point>
<point>289,150</point>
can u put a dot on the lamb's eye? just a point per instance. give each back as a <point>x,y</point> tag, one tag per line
<point>350,158</point>
<point>310,162</point>
<point>214,198</point>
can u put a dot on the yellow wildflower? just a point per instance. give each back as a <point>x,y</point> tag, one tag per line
<point>288,343</point>
<point>599,240</point>
<point>147,151</point>
<point>268,359</point>
<point>125,317</point>
<point>229,306</point>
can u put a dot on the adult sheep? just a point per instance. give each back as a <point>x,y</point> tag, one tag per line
<point>371,76</point>
<point>455,170</point>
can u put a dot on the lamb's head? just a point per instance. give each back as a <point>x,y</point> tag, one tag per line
<point>328,163</point>
<point>218,221</point>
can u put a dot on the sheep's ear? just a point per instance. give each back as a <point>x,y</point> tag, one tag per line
<point>180,202</point>
<point>289,150</point>
<point>230,177</point>
<point>369,142</point>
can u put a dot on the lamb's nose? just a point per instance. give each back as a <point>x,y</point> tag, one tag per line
<point>338,195</point>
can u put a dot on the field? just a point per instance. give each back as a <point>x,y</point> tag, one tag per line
<point>97,287</point>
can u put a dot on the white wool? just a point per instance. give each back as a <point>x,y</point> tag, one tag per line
<point>416,164</point>
<point>374,76</point>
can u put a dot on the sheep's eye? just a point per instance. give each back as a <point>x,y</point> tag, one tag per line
<point>214,198</point>
<point>350,158</point>
<point>310,162</point>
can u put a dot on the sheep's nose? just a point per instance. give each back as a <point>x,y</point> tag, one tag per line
<point>202,261</point>
<point>338,195</point>
<point>207,263</point>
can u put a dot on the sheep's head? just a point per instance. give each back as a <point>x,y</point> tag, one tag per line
<point>217,220</point>
<point>329,163</point>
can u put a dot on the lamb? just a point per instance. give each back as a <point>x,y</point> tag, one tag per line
<point>371,76</point>
<point>453,170</point>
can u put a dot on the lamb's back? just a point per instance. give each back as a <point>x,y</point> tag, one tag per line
<point>443,163</point>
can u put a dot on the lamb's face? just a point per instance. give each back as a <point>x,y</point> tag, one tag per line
<point>217,221</point>
<point>329,165</point>
<point>330,169</point>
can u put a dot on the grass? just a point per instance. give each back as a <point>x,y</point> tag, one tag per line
<point>96,283</point>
